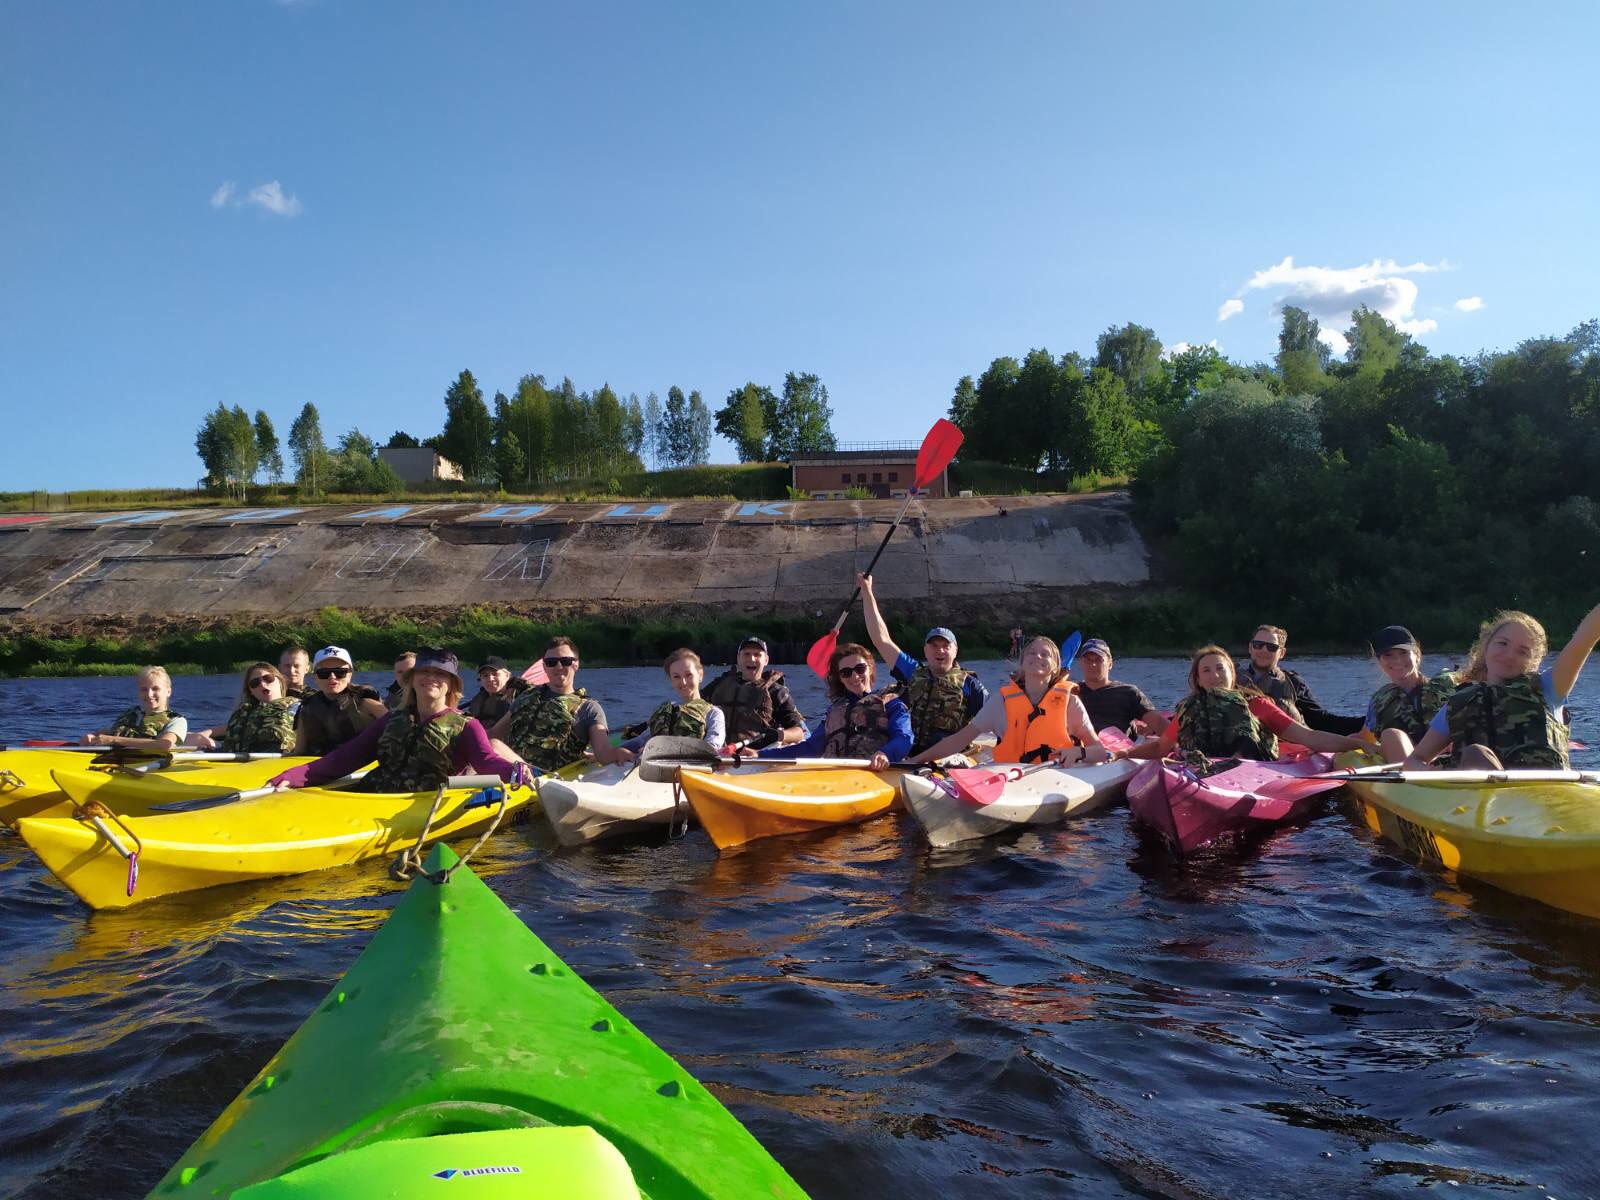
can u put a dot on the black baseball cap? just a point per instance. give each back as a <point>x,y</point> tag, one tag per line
<point>493,663</point>
<point>1391,636</point>
<point>753,640</point>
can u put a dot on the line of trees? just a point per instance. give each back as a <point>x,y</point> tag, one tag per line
<point>1392,480</point>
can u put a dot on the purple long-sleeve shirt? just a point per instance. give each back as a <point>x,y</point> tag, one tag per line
<point>470,754</point>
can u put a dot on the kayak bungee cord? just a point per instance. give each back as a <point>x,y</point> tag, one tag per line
<point>94,813</point>
<point>408,863</point>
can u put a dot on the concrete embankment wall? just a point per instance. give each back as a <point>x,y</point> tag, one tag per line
<point>724,555</point>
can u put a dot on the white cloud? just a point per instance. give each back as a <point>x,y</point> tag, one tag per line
<point>269,196</point>
<point>1331,294</point>
<point>1469,303</point>
<point>1178,348</point>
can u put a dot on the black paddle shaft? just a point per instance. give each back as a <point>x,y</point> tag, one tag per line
<point>882,546</point>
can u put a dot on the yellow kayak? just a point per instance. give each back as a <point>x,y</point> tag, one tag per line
<point>283,833</point>
<point>741,807</point>
<point>1538,838</point>
<point>28,789</point>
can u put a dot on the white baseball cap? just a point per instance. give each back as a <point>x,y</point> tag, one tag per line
<point>332,654</point>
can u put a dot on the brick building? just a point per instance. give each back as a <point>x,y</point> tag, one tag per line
<point>886,469</point>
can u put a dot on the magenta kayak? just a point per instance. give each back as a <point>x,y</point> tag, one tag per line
<point>1189,812</point>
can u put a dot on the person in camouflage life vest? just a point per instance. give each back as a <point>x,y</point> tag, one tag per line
<point>689,716</point>
<point>151,725</point>
<point>421,744</point>
<point>550,726</point>
<point>1509,712</point>
<point>941,694</point>
<point>498,689</point>
<point>1219,719</point>
<point>1400,710</point>
<point>261,723</point>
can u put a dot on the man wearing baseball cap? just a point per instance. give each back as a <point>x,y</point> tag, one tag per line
<point>496,690</point>
<point>338,709</point>
<point>943,696</point>
<point>755,701</point>
<point>1109,702</point>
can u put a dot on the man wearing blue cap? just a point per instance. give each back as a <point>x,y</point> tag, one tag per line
<point>1109,702</point>
<point>943,696</point>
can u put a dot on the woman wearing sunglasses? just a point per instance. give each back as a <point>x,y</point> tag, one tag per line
<point>420,744</point>
<point>261,723</point>
<point>338,709</point>
<point>552,725</point>
<point>1035,717</point>
<point>1285,688</point>
<point>859,723</point>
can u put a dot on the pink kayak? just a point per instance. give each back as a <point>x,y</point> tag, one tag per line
<point>1190,812</point>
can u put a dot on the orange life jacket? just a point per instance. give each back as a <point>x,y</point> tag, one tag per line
<point>1033,732</point>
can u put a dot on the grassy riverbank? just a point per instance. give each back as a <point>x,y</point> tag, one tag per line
<point>1166,623</point>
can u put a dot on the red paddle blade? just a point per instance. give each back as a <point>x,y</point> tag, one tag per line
<point>821,651</point>
<point>47,742</point>
<point>976,785</point>
<point>535,674</point>
<point>1114,739</point>
<point>938,448</point>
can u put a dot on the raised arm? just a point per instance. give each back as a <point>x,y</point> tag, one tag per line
<point>876,629</point>
<point>1576,652</point>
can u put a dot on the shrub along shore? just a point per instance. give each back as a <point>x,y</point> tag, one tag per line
<point>1165,623</point>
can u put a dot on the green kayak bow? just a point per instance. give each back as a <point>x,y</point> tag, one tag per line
<point>459,1050</point>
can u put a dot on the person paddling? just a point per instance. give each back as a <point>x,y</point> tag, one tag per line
<point>550,726</point>
<point>418,745</point>
<point>261,723</point>
<point>940,693</point>
<point>1508,712</point>
<point>149,725</point>
<point>1222,718</point>
<point>339,709</point>
<point>755,701</point>
<point>1036,717</point>
<point>859,723</point>
<point>688,716</point>
<point>497,690</point>
<point>1110,703</point>
<point>1400,710</point>
<point>1264,672</point>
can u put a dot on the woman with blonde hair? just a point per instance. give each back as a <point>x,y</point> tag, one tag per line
<point>1220,718</point>
<point>1508,712</point>
<point>1035,716</point>
<point>149,725</point>
<point>261,723</point>
<point>688,716</point>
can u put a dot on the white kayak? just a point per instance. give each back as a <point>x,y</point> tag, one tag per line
<point>1038,798</point>
<point>605,802</point>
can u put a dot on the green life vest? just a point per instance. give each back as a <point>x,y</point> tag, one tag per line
<point>544,730</point>
<point>1395,708</point>
<point>135,722</point>
<point>856,726</point>
<point>937,703</point>
<point>1219,724</point>
<point>413,755</point>
<point>1510,718</point>
<point>681,720</point>
<point>259,726</point>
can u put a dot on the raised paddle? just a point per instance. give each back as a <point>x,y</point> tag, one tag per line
<point>1069,649</point>
<point>938,448</point>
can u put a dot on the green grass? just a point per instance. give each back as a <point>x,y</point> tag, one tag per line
<point>997,479</point>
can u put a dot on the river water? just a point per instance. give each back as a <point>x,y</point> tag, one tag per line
<point>1065,1013</point>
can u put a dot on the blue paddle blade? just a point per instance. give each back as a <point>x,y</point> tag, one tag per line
<point>1069,650</point>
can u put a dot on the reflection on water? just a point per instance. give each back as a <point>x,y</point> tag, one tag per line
<point>1064,1011</point>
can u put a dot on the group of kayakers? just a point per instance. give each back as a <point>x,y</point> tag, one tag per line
<point>1499,710</point>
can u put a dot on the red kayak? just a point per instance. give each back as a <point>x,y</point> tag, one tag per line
<point>1189,811</point>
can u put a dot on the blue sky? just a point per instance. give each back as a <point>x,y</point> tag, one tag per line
<point>267,203</point>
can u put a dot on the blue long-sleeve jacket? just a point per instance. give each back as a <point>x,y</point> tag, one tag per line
<point>896,748</point>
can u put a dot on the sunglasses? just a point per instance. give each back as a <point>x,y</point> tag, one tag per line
<point>332,672</point>
<point>858,669</point>
<point>563,661</point>
<point>1255,645</point>
<point>262,681</point>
